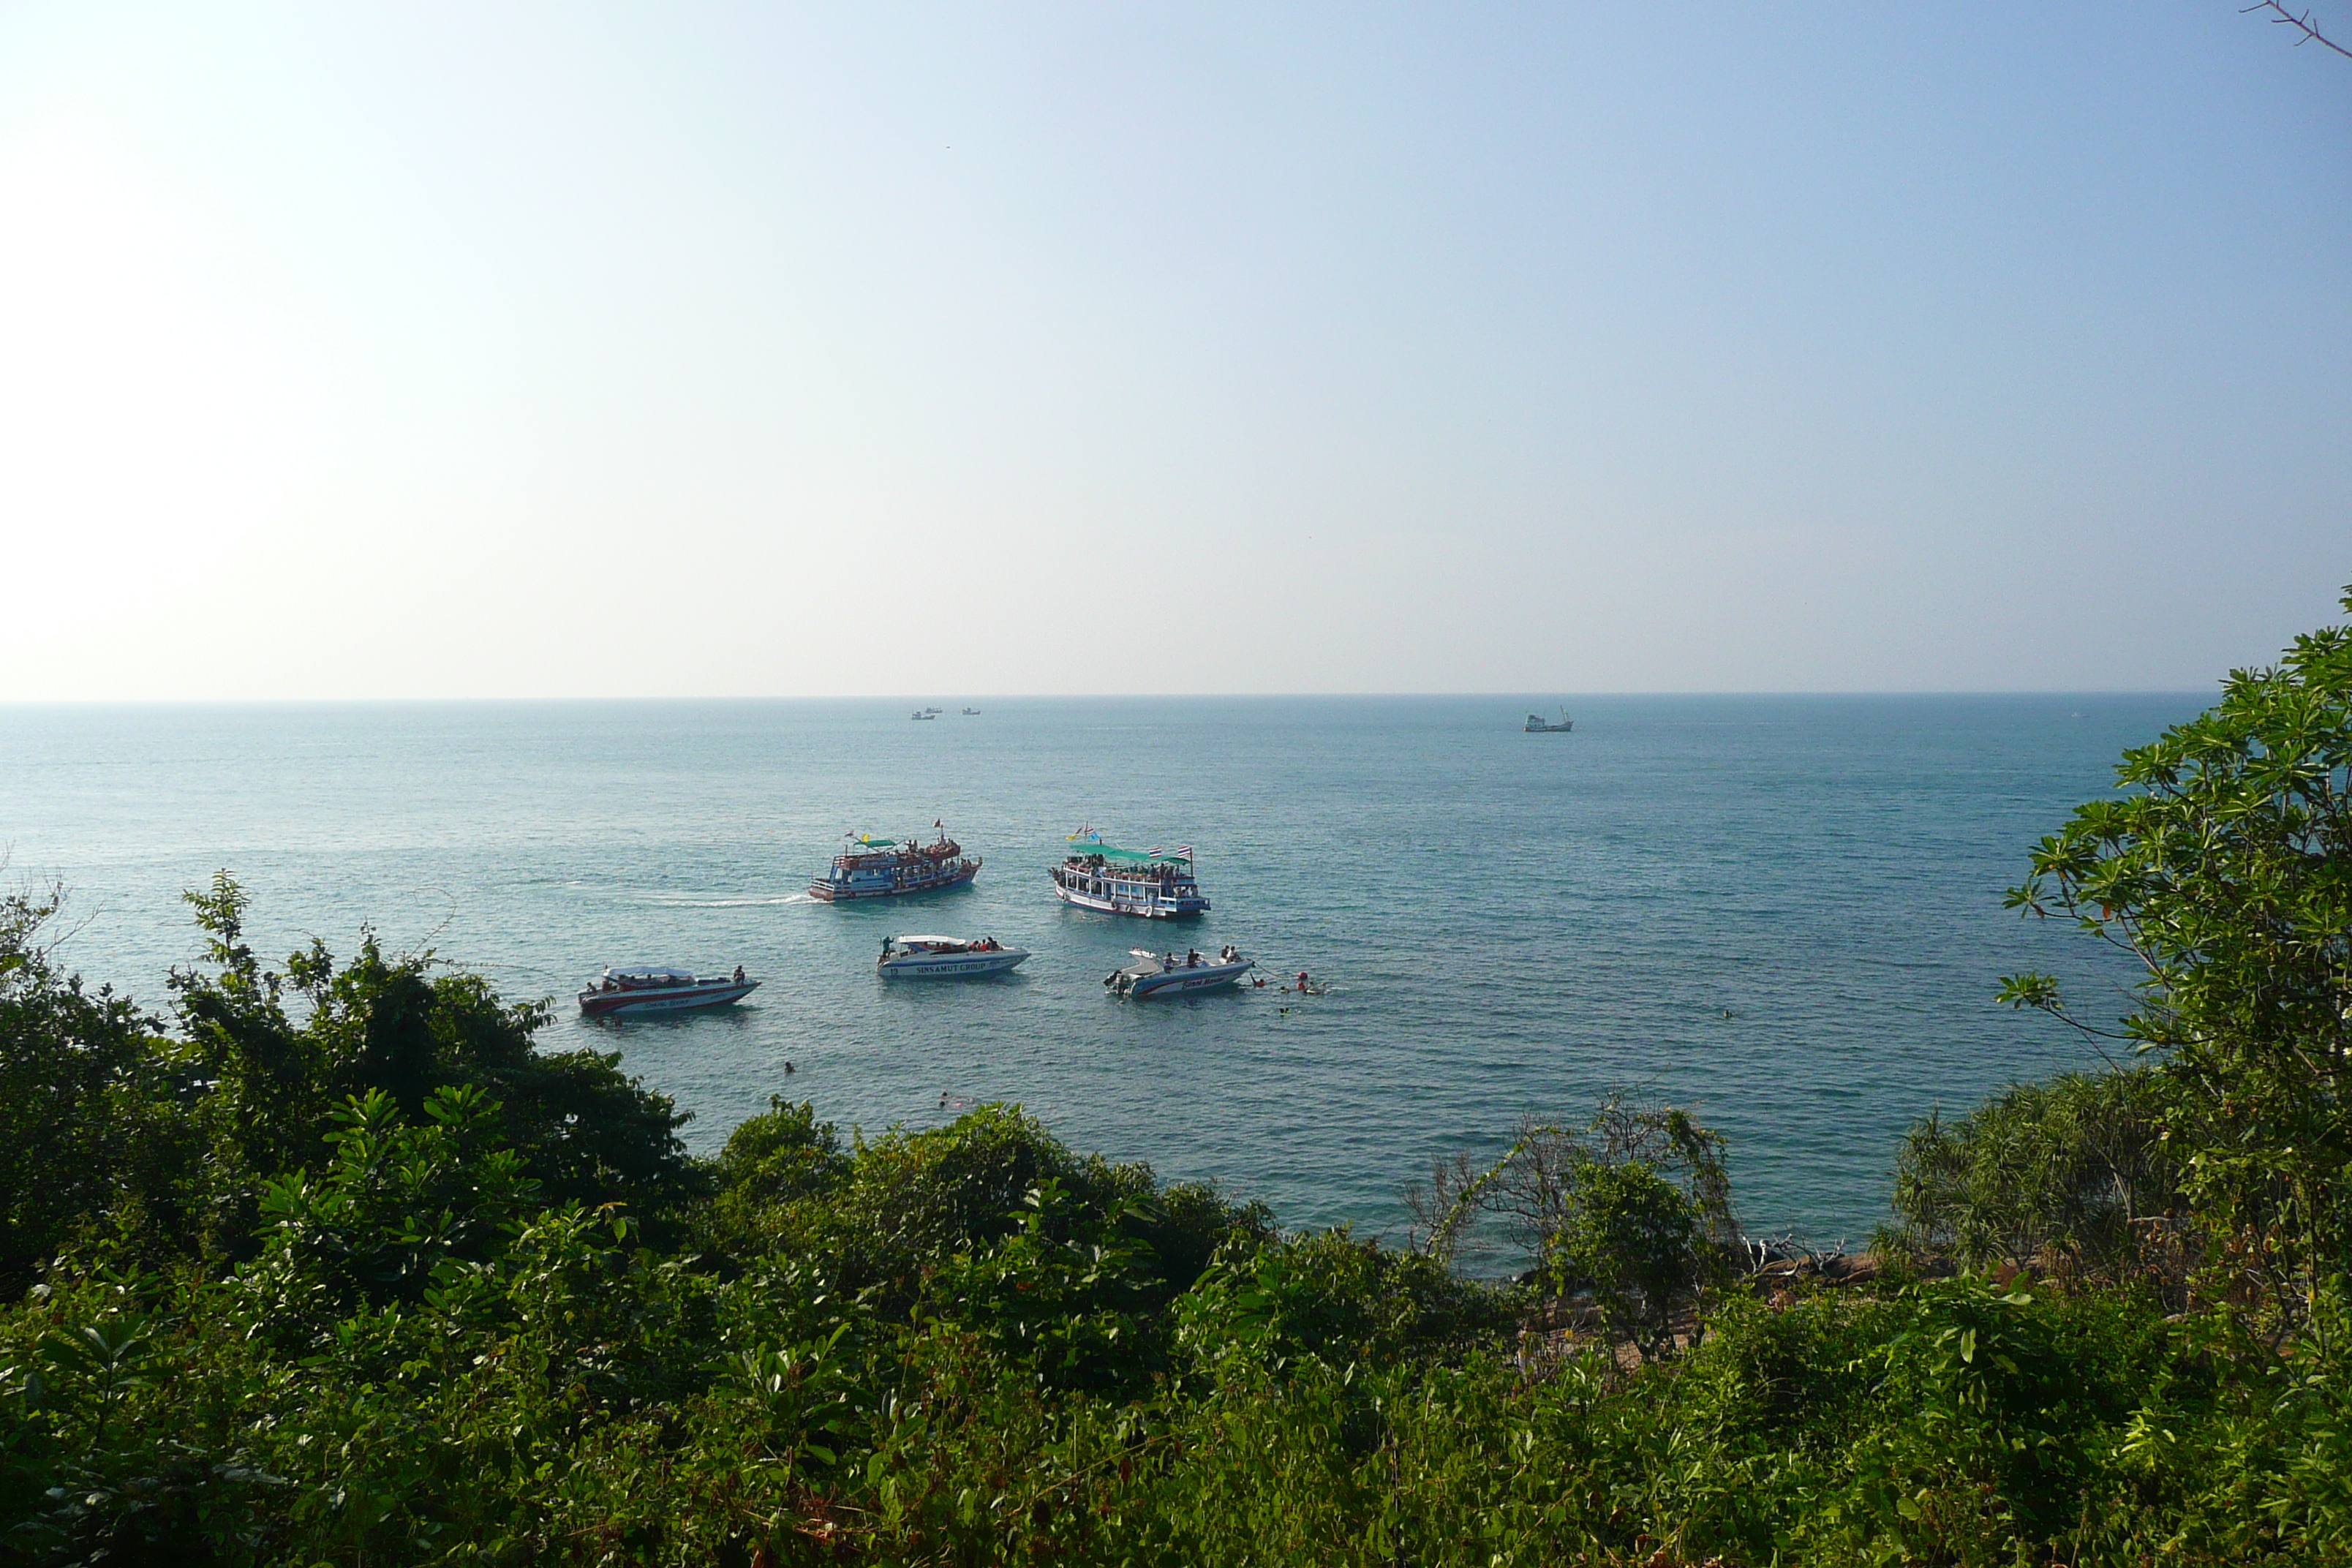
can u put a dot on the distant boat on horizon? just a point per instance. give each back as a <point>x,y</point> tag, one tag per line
<point>1535,725</point>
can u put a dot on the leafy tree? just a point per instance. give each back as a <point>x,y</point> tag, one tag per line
<point>2066,1174</point>
<point>772,1161</point>
<point>381,1024</point>
<point>1538,1187</point>
<point>1632,1238</point>
<point>2225,871</point>
<point>912,1200</point>
<point>399,1200</point>
<point>91,1128</point>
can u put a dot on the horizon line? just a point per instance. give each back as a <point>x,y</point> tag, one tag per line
<point>896,698</point>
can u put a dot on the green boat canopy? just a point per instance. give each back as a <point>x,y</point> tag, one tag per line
<point>1128,857</point>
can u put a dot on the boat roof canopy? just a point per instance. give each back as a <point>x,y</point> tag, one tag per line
<point>647,972</point>
<point>1131,857</point>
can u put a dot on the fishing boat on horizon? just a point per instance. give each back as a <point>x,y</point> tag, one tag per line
<point>1154,884</point>
<point>892,867</point>
<point>637,991</point>
<point>1537,726</point>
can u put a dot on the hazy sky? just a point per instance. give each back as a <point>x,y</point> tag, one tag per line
<point>626,350</point>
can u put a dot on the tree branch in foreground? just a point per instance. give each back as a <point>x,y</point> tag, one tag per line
<point>2280,16</point>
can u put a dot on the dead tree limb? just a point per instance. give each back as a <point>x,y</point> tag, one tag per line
<point>2281,16</point>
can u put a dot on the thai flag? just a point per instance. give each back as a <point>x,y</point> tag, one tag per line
<point>1154,852</point>
<point>1185,850</point>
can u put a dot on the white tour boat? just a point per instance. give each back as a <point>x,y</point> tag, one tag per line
<point>1156,884</point>
<point>1165,974</point>
<point>929,956</point>
<point>641,990</point>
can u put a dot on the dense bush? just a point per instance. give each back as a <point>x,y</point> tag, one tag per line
<point>2075,1174</point>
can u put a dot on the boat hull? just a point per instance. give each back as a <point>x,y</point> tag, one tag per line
<point>830,892</point>
<point>949,965</point>
<point>1175,982</point>
<point>651,1002</point>
<point>1162,910</point>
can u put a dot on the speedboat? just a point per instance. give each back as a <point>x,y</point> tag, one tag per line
<point>1159,975</point>
<point>928,957</point>
<point>643,990</point>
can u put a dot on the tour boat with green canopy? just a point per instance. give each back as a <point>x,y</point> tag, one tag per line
<point>1155,884</point>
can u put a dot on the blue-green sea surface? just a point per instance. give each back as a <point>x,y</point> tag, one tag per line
<point>1785,911</point>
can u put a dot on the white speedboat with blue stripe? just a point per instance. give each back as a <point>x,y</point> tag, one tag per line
<point>1166,973</point>
<point>936,957</point>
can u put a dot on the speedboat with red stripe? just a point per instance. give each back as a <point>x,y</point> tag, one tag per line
<point>642,991</point>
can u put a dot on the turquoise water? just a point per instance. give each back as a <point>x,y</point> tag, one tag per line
<point>1783,910</point>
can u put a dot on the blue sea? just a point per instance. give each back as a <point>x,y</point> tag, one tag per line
<point>1783,911</point>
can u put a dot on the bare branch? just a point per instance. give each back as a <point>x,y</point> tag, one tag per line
<point>2281,17</point>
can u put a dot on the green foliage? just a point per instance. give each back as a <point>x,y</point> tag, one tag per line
<point>1631,1237</point>
<point>2074,1174</point>
<point>2226,869</point>
<point>1338,1299</point>
<point>399,1204</point>
<point>391,1026</point>
<point>91,1124</point>
<point>1534,1187</point>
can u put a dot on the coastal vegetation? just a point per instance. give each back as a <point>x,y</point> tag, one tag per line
<point>330,1265</point>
